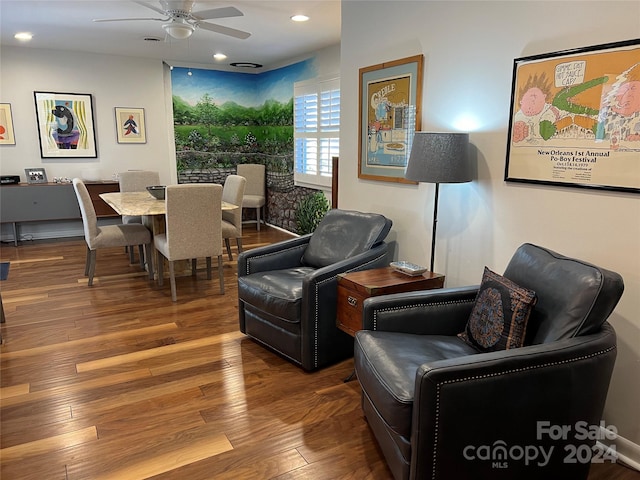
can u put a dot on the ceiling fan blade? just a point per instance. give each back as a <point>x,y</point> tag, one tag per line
<point>152,7</point>
<point>223,12</point>
<point>232,32</point>
<point>98,20</point>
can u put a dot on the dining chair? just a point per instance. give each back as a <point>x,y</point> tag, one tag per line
<point>193,230</point>
<point>136,181</point>
<point>122,235</point>
<point>232,192</point>
<point>255,189</point>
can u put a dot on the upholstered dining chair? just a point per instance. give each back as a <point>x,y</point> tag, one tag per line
<point>255,190</point>
<point>193,230</point>
<point>122,235</point>
<point>232,192</point>
<point>136,181</point>
<point>457,382</point>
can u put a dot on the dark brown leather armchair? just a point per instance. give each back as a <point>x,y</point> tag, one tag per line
<point>441,410</point>
<point>288,291</point>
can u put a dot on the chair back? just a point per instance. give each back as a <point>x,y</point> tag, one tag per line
<point>88,212</point>
<point>233,191</point>
<point>574,297</point>
<point>137,180</point>
<point>193,220</point>
<point>341,234</point>
<point>256,178</point>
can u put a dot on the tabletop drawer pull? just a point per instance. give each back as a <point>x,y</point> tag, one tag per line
<point>352,301</point>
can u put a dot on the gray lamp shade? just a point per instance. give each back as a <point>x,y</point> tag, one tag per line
<point>439,158</point>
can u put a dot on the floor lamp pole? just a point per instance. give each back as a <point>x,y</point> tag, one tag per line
<point>435,223</point>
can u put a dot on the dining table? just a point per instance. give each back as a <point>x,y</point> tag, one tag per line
<point>145,205</point>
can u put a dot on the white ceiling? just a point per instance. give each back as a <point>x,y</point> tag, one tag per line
<point>275,39</point>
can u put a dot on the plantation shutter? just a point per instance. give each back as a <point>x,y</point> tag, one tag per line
<point>316,114</point>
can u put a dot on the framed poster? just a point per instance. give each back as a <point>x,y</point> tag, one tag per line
<point>130,126</point>
<point>7,136</point>
<point>65,125</point>
<point>35,175</point>
<point>575,118</point>
<point>389,115</point>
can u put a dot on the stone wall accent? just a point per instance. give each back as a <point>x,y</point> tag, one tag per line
<point>283,197</point>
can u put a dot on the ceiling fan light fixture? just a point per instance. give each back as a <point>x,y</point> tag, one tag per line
<point>179,30</point>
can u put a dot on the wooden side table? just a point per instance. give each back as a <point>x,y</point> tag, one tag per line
<point>355,287</point>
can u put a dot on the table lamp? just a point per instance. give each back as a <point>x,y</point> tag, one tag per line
<point>439,158</point>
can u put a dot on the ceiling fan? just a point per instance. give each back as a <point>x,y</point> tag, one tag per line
<point>180,22</point>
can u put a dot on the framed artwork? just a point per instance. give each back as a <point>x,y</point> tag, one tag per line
<point>130,126</point>
<point>7,136</point>
<point>389,115</point>
<point>65,125</point>
<point>35,175</point>
<point>575,118</point>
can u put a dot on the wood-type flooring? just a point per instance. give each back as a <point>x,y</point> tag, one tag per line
<point>116,381</point>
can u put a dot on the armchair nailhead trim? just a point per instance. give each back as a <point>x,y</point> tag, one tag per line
<point>316,314</point>
<point>497,374</point>
<point>415,305</point>
<point>317,298</point>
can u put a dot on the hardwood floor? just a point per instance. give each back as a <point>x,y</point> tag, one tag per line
<point>117,381</point>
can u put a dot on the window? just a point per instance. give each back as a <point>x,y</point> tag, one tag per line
<point>316,118</point>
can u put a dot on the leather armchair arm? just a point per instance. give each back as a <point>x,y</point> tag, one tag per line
<point>278,256</point>
<point>319,331</point>
<point>477,399</point>
<point>426,312</point>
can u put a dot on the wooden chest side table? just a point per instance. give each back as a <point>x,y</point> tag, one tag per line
<point>355,287</point>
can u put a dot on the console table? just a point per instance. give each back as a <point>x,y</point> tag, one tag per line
<point>39,202</point>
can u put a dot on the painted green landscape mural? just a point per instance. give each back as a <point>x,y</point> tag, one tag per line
<point>222,119</point>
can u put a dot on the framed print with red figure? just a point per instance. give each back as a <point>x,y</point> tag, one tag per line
<point>130,125</point>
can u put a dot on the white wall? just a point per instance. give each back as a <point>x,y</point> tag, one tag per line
<point>113,82</point>
<point>469,48</point>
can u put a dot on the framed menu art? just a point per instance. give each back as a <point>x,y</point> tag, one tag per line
<point>65,125</point>
<point>389,115</point>
<point>575,118</point>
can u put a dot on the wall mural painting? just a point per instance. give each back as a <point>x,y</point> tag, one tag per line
<point>225,118</point>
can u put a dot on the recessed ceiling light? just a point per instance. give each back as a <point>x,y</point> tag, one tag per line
<point>299,18</point>
<point>219,56</point>
<point>246,65</point>
<point>23,36</point>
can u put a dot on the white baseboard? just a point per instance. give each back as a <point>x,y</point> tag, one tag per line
<point>293,234</point>
<point>625,451</point>
<point>28,236</point>
<point>28,231</point>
